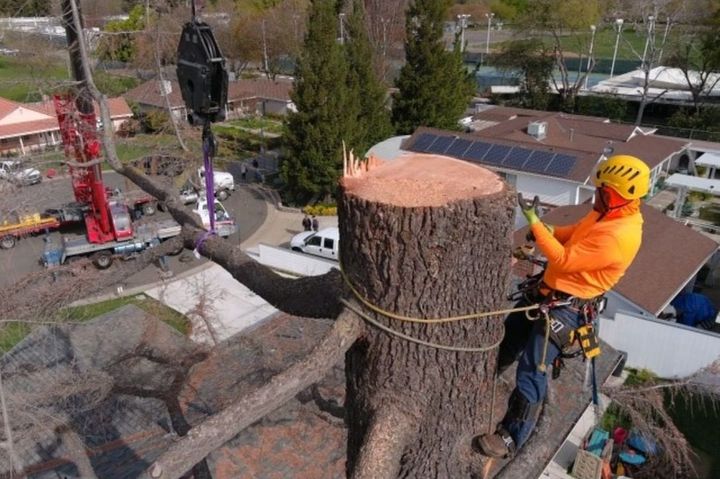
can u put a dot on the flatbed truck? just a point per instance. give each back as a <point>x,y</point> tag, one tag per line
<point>20,226</point>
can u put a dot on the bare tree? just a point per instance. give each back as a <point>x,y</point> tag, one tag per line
<point>698,57</point>
<point>386,29</point>
<point>648,15</point>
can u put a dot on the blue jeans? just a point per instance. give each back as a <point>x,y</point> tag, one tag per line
<point>529,382</point>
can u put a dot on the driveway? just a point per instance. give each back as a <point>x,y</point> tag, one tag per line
<point>248,208</point>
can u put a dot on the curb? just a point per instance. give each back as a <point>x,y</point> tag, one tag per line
<point>142,288</point>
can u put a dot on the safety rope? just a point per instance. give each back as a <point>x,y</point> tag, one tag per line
<point>409,319</point>
<point>461,349</point>
<point>542,367</point>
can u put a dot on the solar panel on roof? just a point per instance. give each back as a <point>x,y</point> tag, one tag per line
<point>496,154</point>
<point>560,165</point>
<point>423,142</point>
<point>458,147</point>
<point>516,158</point>
<point>477,151</point>
<point>440,144</point>
<point>538,161</point>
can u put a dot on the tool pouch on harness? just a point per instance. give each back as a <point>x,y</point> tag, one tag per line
<point>589,343</point>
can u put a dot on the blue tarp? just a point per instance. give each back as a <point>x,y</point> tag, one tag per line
<point>693,309</point>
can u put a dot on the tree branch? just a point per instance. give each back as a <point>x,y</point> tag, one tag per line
<point>78,452</point>
<point>389,432</point>
<point>312,296</point>
<point>220,428</point>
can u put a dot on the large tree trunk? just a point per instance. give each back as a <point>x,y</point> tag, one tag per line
<point>427,237</point>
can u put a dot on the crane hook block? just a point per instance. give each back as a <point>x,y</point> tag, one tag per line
<point>201,73</point>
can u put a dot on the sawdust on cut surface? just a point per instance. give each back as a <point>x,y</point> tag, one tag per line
<point>416,180</point>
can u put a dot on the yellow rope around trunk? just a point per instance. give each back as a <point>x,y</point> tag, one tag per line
<point>450,319</point>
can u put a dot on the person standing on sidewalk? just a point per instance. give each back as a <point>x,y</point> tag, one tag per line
<point>307,226</point>
<point>315,223</point>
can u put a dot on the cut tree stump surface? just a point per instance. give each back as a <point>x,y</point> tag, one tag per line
<point>415,180</point>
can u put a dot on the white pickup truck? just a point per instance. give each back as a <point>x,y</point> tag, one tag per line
<point>325,243</point>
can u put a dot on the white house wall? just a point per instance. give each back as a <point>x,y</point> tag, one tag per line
<point>669,350</point>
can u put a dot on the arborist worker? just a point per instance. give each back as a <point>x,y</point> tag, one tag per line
<point>584,261</point>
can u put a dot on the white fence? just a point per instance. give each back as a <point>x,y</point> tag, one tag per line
<point>668,349</point>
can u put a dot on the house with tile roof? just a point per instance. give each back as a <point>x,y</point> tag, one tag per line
<point>27,127</point>
<point>257,96</point>
<point>549,154</point>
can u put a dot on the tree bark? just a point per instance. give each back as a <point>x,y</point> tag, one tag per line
<point>220,428</point>
<point>426,237</point>
<point>390,430</point>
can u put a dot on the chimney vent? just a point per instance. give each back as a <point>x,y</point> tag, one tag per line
<point>537,129</point>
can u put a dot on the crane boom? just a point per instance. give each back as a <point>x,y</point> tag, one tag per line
<point>79,136</point>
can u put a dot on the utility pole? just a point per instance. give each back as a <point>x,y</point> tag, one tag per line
<point>618,24</point>
<point>593,28</point>
<point>341,18</point>
<point>265,54</point>
<point>463,23</point>
<point>489,17</point>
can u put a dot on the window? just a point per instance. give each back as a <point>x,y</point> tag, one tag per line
<point>314,241</point>
<point>329,243</point>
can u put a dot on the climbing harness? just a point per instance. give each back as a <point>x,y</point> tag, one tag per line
<point>203,83</point>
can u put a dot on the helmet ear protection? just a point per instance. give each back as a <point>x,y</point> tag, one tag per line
<point>626,174</point>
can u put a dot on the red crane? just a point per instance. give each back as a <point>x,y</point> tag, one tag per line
<point>104,220</point>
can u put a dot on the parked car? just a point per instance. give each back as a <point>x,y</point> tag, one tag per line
<point>325,243</point>
<point>13,171</point>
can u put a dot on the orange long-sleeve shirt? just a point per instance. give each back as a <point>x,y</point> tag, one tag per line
<point>588,258</point>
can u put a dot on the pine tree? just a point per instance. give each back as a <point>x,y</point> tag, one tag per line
<point>434,86</point>
<point>374,119</point>
<point>327,112</point>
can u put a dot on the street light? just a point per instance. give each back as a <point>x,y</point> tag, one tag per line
<point>593,28</point>
<point>651,28</point>
<point>463,22</point>
<point>618,25</point>
<point>489,17</point>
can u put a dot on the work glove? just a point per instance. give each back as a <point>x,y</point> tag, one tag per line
<point>529,210</point>
<point>530,213</point>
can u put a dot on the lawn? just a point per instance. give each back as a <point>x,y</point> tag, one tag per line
<point>128,149</point>
<point>27,81</point>
<point>12,333</point>
<point>604,43</point>
<point>257,123</point>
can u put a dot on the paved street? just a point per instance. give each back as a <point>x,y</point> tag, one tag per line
<point>248,208</point>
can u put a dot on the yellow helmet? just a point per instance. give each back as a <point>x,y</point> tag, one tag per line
<point>626,174</point>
